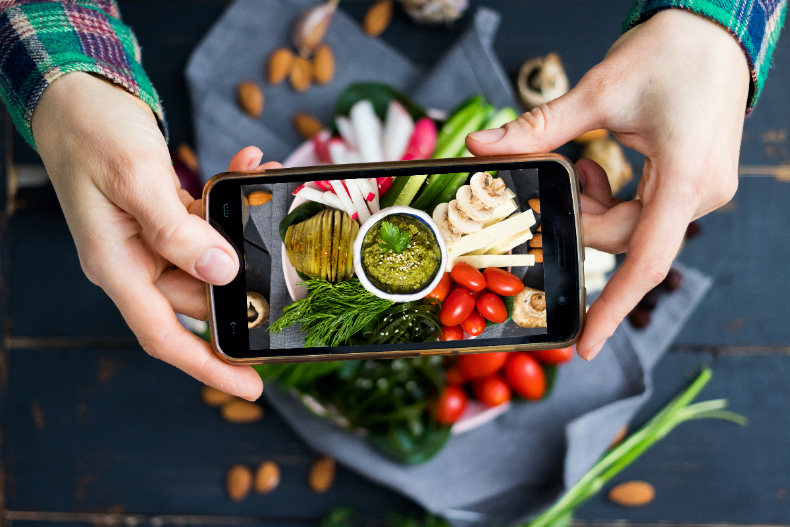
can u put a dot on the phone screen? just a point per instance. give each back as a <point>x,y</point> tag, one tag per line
<point>365,262</point>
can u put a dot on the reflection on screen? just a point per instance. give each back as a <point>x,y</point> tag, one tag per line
<point>394,261</point>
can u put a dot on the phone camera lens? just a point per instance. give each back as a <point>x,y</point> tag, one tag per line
<point>562,300</point>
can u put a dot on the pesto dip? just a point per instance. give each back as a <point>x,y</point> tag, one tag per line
<point>409,271</point>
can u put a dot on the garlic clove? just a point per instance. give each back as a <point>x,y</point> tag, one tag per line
<point>311,27</point>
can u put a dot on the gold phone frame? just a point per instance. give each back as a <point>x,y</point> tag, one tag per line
<point>309,172</point>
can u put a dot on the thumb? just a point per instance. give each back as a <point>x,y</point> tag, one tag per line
<point>541,130</point>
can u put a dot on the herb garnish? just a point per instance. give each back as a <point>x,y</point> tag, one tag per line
<point>394,239</point>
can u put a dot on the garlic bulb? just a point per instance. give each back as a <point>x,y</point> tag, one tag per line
<point>311,26</point>
<point>435,11</point>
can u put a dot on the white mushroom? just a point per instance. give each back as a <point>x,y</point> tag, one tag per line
<point>257,307</point>
<point>449,233</point>
<point>491,191</point>
<point>471,205</point>
<point>529,308</point>
<point>461,221</point>
<point>542,80</point>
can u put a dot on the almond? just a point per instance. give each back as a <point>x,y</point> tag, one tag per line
<point>539,228</point>
<point>536,241</point>
<point>632,494</point>
<point>280,63</point>
<point>378,18</point>
<point>618,438</point>
<point>250,98</point>
<point>534,204</point>
<point>538,254</point>
<point>241,412</point>
<point>322,474</point>
<point>238,482</point>
<point>590,136</point>
<point>324,65</point>
<point>213,397</point>
<point>186,155</point>
<point>301,74</point>
<point>259,197</point>
<point>307,126</point>
<point>267,477</point>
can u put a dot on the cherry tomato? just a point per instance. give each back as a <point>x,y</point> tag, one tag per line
<point>441,291</point>
<point>452,333</point>
<point>474,366</point>
<point>501,282</point>
<point>474,324</point>
<point>553,356</point>
<point>453,376</point>
<point>478,294</point>
<point>458,305</point>
<point>525,375</point>
<point>491,390</point>
<point>469,277</point>
<point>492,308</point>
<point>451,405</point>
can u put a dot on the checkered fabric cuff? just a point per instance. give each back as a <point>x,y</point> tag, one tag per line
<point>40,41</point>
<point>755,24</point>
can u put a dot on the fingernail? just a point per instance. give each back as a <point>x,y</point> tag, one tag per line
<point>594,350</point>
<point>216,267</point>
<point>255,162</point>
<point>491,135</point>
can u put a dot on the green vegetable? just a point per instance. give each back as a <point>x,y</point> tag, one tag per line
<point>448,193</point>
<point>298,215</point>
<point>331,313</point>
<point>678,411</point>
<point>455,123</point>
<point>405,191</point>
<point>394,240</point>
<point>388,199</point>
<point>430,193</point>
<point>402,324</point>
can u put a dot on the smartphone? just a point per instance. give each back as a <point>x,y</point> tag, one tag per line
<point>351,261</point>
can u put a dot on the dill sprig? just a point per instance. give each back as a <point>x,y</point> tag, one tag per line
<point>331,313</point>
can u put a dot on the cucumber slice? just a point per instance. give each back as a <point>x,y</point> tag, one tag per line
<point>410,190</point>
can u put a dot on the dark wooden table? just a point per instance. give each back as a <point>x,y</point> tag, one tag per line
<point>94,431</point>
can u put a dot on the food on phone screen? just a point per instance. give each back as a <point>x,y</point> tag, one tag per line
<point>468,277</point>
<point>321,246</point>
<point>502,282</point>
<point>529,309</point>
<point>257,309</point>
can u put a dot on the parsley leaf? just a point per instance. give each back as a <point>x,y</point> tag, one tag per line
<point>394,240</point>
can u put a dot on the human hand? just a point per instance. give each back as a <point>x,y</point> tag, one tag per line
<point>139,236</point>
<point>675,89</point>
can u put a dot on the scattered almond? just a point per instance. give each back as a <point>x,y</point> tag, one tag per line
<point>536,241</point>
<point>306,125</point>
<point>378,18</point>
<point>592,135</point>
<point>240,411</point>
<point>534,204</point>
<point>301,74</point>
<point>280,63</point>
<point>632,494</point>
<point>324,65</point>
<point>186,155</point>
<point>618,438</point>
<point>538,254</point>
<point>539,228</point>
<point>213,397</point>
<point>238,482</point>
<point>267,477</point>
<point>259,197</point>
<point>250,98</point>
<point>322,474</point>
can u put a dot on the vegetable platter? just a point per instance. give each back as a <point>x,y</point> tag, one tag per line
<point>407,260</point>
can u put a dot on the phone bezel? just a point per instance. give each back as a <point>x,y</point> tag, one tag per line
<point>222,208</point>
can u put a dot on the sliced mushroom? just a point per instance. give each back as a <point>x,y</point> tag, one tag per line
<point>529,308</point>
<point>542,80</point>
<point>449,233</point>
<point>471,205</point>
<point>259,308</point>
<point>461,221</point>
<point>491,191</point>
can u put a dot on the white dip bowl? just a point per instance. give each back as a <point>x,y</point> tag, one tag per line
<point>360,271</point>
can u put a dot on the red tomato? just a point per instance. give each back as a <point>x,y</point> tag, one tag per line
<point>451,405</point>
<point>553,356</point>
<point>454,376</point>
<point>458,305</point>
<point>452,333</point>
<point>441,291</point>
<point>501,282</point>
<point>478,294</point>
<point>525,375</point>
<point>491,390</point>
<point>474,324</point>
<point>474,366</point>
<point>492,308</point>
<point>469,277</point>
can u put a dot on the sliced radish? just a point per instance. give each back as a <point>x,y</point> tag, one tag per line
<point>374,205</point>
<point>331,200</point>
<point>324,185</point>
<point>310,194</point>
<point>398,129</point>
<point>321,147</point>
<point>358,200</point>
<point>384,184</point>
<point>423,140</point>
<point>338,151</point>
<point>341,193</point>
<point>367,130</point>
<point>366,188</point>
<point>346,130</point>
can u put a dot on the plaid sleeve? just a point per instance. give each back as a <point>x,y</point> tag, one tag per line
<point>755,24</point>
<point>42,40</point>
